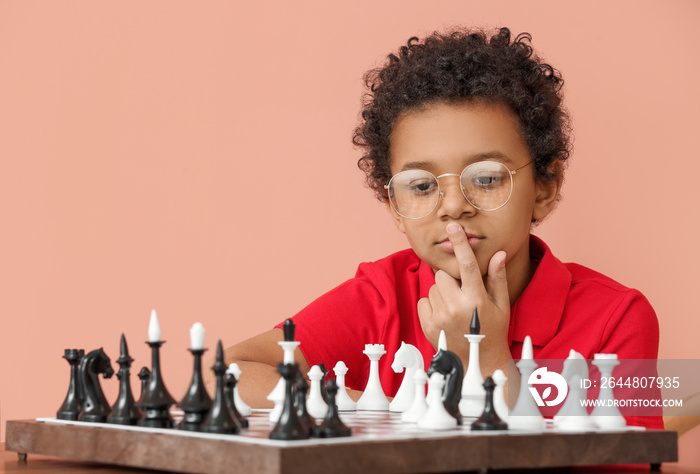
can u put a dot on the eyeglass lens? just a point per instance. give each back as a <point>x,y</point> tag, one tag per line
<point>487,186</point>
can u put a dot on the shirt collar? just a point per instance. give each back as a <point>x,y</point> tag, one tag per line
<point>538,310</point>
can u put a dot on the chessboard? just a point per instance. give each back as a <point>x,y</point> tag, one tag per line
<point>380,442</point>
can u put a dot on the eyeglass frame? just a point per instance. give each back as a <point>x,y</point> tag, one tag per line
<point>441,193</point>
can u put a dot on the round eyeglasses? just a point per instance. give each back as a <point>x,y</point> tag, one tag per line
<point>486,185</point>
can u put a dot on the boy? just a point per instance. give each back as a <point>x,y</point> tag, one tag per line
<point>465,141</point>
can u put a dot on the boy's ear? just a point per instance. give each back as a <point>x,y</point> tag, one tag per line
<point>398,222</point>
<point>546,197</point>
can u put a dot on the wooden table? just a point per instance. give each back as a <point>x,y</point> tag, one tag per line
<point>371,449</point>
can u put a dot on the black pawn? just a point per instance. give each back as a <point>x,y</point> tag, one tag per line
<point>231,399</point>
<point>196,403</point>
<point>220,419</point>
<point>124,411</point>
<point>475,327</point>
<point>156,400</point>
<point>324,390</point>
<point>489,420</point>
<point>288,328</point>
<point>301,389</point>
<point>70,410</point>
<point>289,426</point>
<point>332,426</point>
<point>144,375</point>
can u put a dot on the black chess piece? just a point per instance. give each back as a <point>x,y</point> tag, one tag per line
<point>156,401</point>
<point>220,419</point>
<point>196,403</point>
<point>73,403</point>
<point>332,426</point>
<point>449,364</point>
<point>324,391</point>
<point>301,389</point>
<point>475,326</point>
<point>289,426</point>
<point>125,411</point>
<point>489,420</point>
<point>144,374</point>
<point>230,381</point>
<point>95,406</point>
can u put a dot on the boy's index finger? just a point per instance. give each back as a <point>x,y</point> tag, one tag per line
<point>469,271</point>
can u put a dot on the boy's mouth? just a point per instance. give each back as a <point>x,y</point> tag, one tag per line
<point>446,245</point>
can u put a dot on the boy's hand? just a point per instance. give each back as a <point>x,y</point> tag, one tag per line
<point>450,304</point>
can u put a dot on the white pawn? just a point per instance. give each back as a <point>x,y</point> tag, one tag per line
<point>276,397</point>
<point>526,415</point>
<point>242,406</point>
<point>408,357</point>
<point>419,406</point>
<point>437,417</point>
<point>342,399</point>
<point>499,399</point>
<point>572,416</point>
<point>315,404</point>
<point>373,397</point>
<point>606,414</point>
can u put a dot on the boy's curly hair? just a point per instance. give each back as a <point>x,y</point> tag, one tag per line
<point>460,66</point>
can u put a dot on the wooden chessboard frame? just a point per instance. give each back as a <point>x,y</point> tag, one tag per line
<point>379,448</point>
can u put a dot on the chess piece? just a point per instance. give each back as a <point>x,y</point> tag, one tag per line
<point>156,400</point>
<point>300,392</point>
<point>73,403</point>
<point>450,366</point>
<point>332,426</point>
<point>289,426</point>
<point>373,397</point>
<point>409,359</point>
<point>442,341</point>
<point>489,420</point>
<point>419,406</point>
<point>436,417</point>
<point>242,406</point>
<point>324,379</point>
<point>144,375</point>
<point>473,395</point>
<point>345,403</point>
<point>526,415</point>
<point>499,400</point>
<point>288,346</point>
<point>230,390</point>
<point>572,416</point>
<point>95,406</point>
<point>606,414</point>
<point>196,403</point>
<point>220,419</point>
<point>314,403</point>
<point>124,411</point>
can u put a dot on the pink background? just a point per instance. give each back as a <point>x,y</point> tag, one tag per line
<point>195,158</point>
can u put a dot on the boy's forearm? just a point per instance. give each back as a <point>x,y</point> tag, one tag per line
<point>257,381</point>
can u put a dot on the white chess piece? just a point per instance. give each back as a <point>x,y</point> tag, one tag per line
<point>315,404</point>
<point>499,400</point>
<point>572,416</point>
<point>408,357</point>
<point>342,399</point>
<point>437,417</point>
<point>473,393</point>
<point>277,394</point>
<point>373,397</point>
<point>419,406</point>
<point>606,414</point>
<point>442,341</point>
<point>526,415</point>
<point>242,406</point>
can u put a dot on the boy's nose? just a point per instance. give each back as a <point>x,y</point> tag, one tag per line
<point>453,204</point>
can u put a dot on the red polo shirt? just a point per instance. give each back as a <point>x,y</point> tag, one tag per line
<point>565,306</point>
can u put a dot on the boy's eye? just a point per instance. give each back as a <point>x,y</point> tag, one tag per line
<point>422,187</point>
<point>487,181</point>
